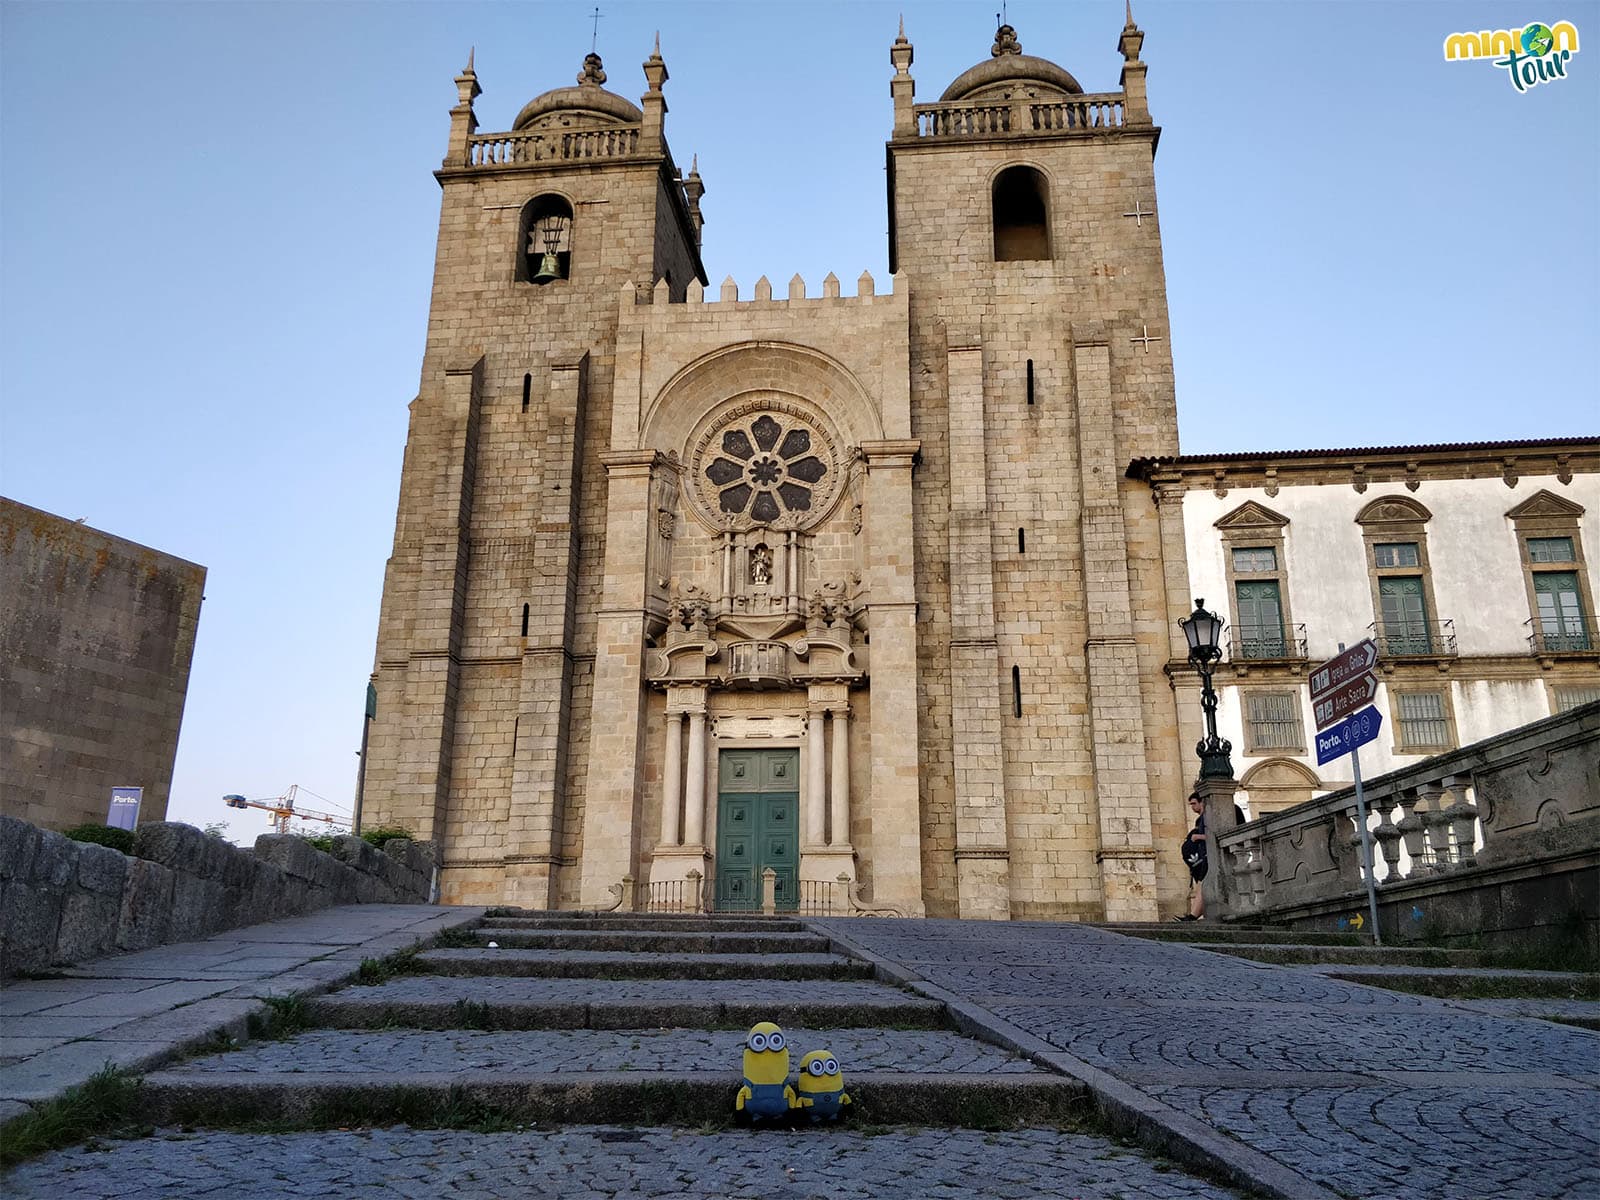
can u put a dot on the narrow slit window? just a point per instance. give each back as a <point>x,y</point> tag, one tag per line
<point>1022,541</point>
<point>1016,691</point>
<point>1030,381</point>
<point>524,620</point>
<point>527,391</point>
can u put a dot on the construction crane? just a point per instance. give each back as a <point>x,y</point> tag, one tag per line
<point>283,809</point>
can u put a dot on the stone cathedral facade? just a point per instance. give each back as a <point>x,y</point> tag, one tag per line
<point>687,584</point>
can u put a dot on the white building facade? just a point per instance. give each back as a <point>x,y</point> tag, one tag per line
<point>1472,567</point>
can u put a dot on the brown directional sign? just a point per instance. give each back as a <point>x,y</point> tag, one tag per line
<point>1344,700</point>
<point>1345,667</point>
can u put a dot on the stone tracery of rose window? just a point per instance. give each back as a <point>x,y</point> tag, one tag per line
<point>765,466</point>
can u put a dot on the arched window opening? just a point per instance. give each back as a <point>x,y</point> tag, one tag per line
<point>544,243</point>
<point>1022,541</point>
<point>524,620</point>
<point>1030,381</point>
<point>527,390</point>
<point>1016,691</point>
<point>1021,215</point>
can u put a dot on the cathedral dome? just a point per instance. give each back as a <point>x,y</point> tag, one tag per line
<point>586,104</point>
<point>1008,69</point>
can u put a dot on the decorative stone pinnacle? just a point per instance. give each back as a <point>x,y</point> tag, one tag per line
<point>592,74</point>
<point>1130,24</point>
<point>694,164</point>
<point>902,35</point>
<point>1005,42</point>
<point>471,53</point>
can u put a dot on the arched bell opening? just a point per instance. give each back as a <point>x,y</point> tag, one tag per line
<point>1021,208</point>
<point>544,240</point>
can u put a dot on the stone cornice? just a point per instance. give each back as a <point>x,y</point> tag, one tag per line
<point>1371,466</point>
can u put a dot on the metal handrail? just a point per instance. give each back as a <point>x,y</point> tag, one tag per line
<point>1414,639</point>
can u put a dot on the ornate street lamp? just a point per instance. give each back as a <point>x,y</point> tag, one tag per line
<point>1203,631</point>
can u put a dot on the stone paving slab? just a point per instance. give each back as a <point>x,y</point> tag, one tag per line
<point>922,1051</point>
<point>1466,1104</point>
<point>607,964</point>
<point>450,1002</point>
<point>608,1163</point>
<point>142,1009</point>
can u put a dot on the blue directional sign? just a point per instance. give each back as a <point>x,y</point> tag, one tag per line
<point>1355,730</point>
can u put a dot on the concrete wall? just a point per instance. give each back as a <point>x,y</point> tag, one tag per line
<point>96,635</point>
<point>65,901</point>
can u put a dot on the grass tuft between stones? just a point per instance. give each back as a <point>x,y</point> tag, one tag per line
<point>104,1105</point>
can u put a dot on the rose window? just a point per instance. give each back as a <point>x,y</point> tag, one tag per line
<point>765,468</point>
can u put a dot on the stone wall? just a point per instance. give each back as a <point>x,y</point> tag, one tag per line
<point>96,636</point>
<point>1498,842</point>
<point>65,901</point>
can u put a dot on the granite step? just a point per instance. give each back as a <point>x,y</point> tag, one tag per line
<point>508,1002</point>
<point>1204,931</point>
<point>1397,956</point>
<point>336,1099</point>
<point>588,1051</point>
<point>651,922</point>
<point>602,964</point>
<point>627,941</point>
<point>1471,983</point>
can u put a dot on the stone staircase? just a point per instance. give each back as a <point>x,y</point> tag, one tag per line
<point>1460,976</point>
<point>593,1019</point>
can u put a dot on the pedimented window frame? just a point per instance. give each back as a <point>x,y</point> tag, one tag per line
<point>1400,519</point>
<point>1250,525</point>
<point>1545,514</point>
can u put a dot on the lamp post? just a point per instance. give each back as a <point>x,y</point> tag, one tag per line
<point>1203,631</point>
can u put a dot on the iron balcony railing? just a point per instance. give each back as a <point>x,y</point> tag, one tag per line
<point>1566,635</point>
<point>1414,639</point>
<point>1256,643</point>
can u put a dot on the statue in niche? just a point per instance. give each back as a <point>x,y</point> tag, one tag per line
<point>761,566</point>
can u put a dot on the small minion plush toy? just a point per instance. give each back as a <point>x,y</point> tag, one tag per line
<point>766,1094</point>
<point>822,1094</point>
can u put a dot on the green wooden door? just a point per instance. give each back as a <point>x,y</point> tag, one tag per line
<point>758,826</point>
<point>1405,617</point>
<point>1561,623</point>
<point>1259,616</point>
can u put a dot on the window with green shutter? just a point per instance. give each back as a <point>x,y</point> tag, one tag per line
<point>1560,603</point>
<point>1258,618</point>
<point>1405,615</point>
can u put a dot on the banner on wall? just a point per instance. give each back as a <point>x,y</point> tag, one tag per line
<point>124,810</point>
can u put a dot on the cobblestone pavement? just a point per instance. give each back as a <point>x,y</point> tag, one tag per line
<point>562,1051</point>
<point>1368,1092</point>
<point>602,1163</point>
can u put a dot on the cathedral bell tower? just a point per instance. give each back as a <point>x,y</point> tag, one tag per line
<point>484,654</point>
<point>1023,217</point>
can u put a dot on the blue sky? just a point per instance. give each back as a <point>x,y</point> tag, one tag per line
<point>217,226</point>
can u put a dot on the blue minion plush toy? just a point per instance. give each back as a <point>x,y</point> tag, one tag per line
<point>822,1095</point>
<point>766,1094</point>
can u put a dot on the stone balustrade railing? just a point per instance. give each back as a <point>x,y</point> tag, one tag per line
<point>1524,795</point>
<point>518,149</point>
<point>1074,114</point>
<point>757,662</point>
